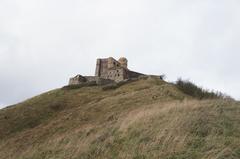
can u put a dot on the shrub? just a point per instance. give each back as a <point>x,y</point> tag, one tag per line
<point>193,90</point>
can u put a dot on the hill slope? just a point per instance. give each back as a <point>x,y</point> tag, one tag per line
<point>143,119</point>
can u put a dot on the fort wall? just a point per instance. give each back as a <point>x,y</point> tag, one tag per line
<point>88,79</point>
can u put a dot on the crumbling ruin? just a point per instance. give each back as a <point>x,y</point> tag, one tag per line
<point>108,70</point>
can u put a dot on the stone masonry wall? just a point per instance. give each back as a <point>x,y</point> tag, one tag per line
<point>77,80</point>
<point>117,74</point>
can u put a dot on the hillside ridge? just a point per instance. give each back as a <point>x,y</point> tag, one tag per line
<point>145,118</point>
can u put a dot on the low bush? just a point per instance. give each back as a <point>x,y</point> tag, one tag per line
<point>193,90</point>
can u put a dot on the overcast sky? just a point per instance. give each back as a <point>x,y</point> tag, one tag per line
<point>44,42</point>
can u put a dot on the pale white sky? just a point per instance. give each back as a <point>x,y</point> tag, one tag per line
<point>44,42</point>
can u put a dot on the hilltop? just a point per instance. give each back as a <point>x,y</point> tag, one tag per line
<point>141,119</point>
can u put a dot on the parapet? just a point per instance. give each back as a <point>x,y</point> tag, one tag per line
<point>79,79</point>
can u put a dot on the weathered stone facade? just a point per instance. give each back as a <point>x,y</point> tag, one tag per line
<point>108,70</point>
<point>77,80</point>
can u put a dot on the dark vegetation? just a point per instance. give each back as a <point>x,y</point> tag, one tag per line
<point>195,91</point>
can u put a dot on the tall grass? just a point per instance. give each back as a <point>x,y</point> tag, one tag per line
<point>195,91</point>
<point>140,120</point>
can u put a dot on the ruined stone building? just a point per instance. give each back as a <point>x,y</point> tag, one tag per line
<point>110,68</point>
<point>107,70</point>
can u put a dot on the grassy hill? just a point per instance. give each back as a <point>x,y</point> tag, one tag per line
<point>144,119</point>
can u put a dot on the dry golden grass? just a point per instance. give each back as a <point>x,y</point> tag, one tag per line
<point>142,119</point>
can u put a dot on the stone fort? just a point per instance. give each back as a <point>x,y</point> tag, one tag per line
<point>108,70</point>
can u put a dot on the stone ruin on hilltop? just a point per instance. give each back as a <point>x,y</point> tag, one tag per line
<point>108,70</point>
